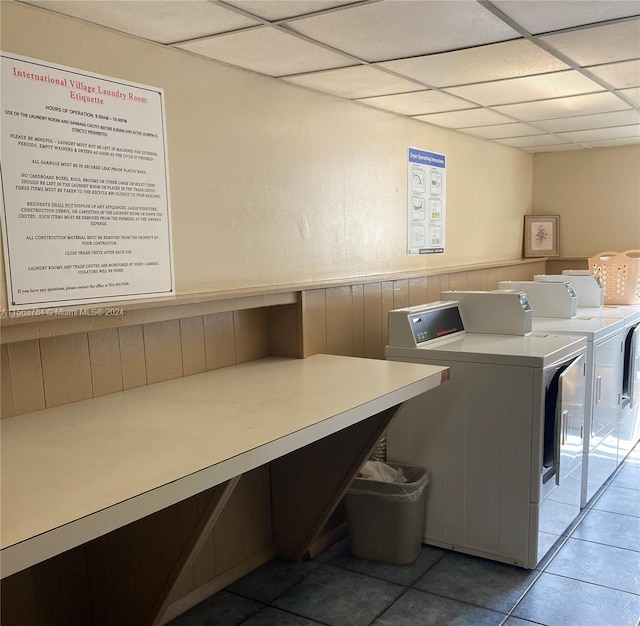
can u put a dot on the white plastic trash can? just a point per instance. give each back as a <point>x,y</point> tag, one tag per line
<point>386,520</point>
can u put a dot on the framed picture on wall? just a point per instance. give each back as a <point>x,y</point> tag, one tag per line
<point>541,235</point>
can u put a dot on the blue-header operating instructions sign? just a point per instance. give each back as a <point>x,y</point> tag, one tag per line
<point>426,200</point>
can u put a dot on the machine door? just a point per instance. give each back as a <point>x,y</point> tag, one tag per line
<point>561,488</point>
<point>630,413</point>
<point>563,430</point>
<point>606,389</point>
<point>605,416</point>
<point>631,374</point>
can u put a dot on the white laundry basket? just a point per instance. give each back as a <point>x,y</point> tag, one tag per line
<point>619,273</point>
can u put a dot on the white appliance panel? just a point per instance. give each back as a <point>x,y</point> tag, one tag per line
<point>629,313</point>
<point>629,430</point>
<point>547,299</point>
<point>493,312</point>
<point>603,397</point>
<point>539,349</point>
<point>481,438</point>
<point>478,457</point>
<point>588,289</point>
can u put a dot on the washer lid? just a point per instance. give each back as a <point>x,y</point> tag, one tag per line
<point>628,312</point>
<point>593,328</point>
<point>537,350</point>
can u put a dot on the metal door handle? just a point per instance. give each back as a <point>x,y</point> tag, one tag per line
<point>559,437</point>
<point>598,388</point>
<point>634,366</point>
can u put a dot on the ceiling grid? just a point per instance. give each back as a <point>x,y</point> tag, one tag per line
<point>565,77</point>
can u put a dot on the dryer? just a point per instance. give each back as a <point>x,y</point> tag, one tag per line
<point>502,441</point>
<point>629,392</point>
<point>591,304</point>
<point>605,348</point>
<point>603,383</point>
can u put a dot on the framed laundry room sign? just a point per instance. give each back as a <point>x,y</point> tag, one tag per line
<point>426,202</point>
<point>85,195</point>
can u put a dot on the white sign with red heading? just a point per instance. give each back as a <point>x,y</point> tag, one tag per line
<point>85,191</point>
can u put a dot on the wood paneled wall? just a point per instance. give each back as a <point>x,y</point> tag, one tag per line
<point>239,539</point>
<point>346,319</point>
<point>353,320</point>
<point>52,371</point>
<point>48,372</point>
<point>555,266</point>
<point>57,591</point>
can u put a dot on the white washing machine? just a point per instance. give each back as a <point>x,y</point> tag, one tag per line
<point>591,304</point>
<point>502,440</point>
<point>604,359</point>
<point>629,429</point>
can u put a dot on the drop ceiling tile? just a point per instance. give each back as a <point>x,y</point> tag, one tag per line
<point>612,143</point>
<point>508,59</point>
<point>539,87</point>
<point>502,131</point>
<point>600,134</point>
<point>616,42</point>
<point>537,17</point>
<point>273,10</point>
<point>464,119</point>
<point>358,81</point>
<point>555,148</point>
<point>529,141</point>
<point>587,122</point>
<point>633,94</point>
<point>382,31</point>
<point>268,51</point>
<point>619,75</point>
<point>418,103</point>
<point>564,107</point>
<point>162,21</point>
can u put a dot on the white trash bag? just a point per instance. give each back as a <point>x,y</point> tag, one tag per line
<point>400,483</point>
<point>377,470</point>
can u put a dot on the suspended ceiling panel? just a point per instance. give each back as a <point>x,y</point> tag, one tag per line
<point>529,141</point>
<point>557,148</point>
<point>501,69</point>
<point>585,122</point>
<point>564,107</point>
<point>501,131</point>
<point>393,29</point>
<point>466,118</point>
<point>267,51</point>
<point>632,94</point>
<point>162,21</point>
<point>274,10</point>
<point>360,81</point>
<point>508,59</point>
<point>611,143</point>
<point>616,42</point>
<point>418,103</point>
<point>599,134</point>
<point>619,75</point>
<point>543,16</point>
<point>541,87</point>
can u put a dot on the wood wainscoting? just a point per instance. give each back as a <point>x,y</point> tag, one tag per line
<point>54,361</point>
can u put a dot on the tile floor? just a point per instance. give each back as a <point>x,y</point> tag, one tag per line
<point>590,578</point>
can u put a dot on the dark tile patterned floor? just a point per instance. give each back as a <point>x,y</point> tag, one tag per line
<point>591,579</point>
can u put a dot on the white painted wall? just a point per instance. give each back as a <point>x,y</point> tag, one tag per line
<point>272,184</point>
<point>596,193</point>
